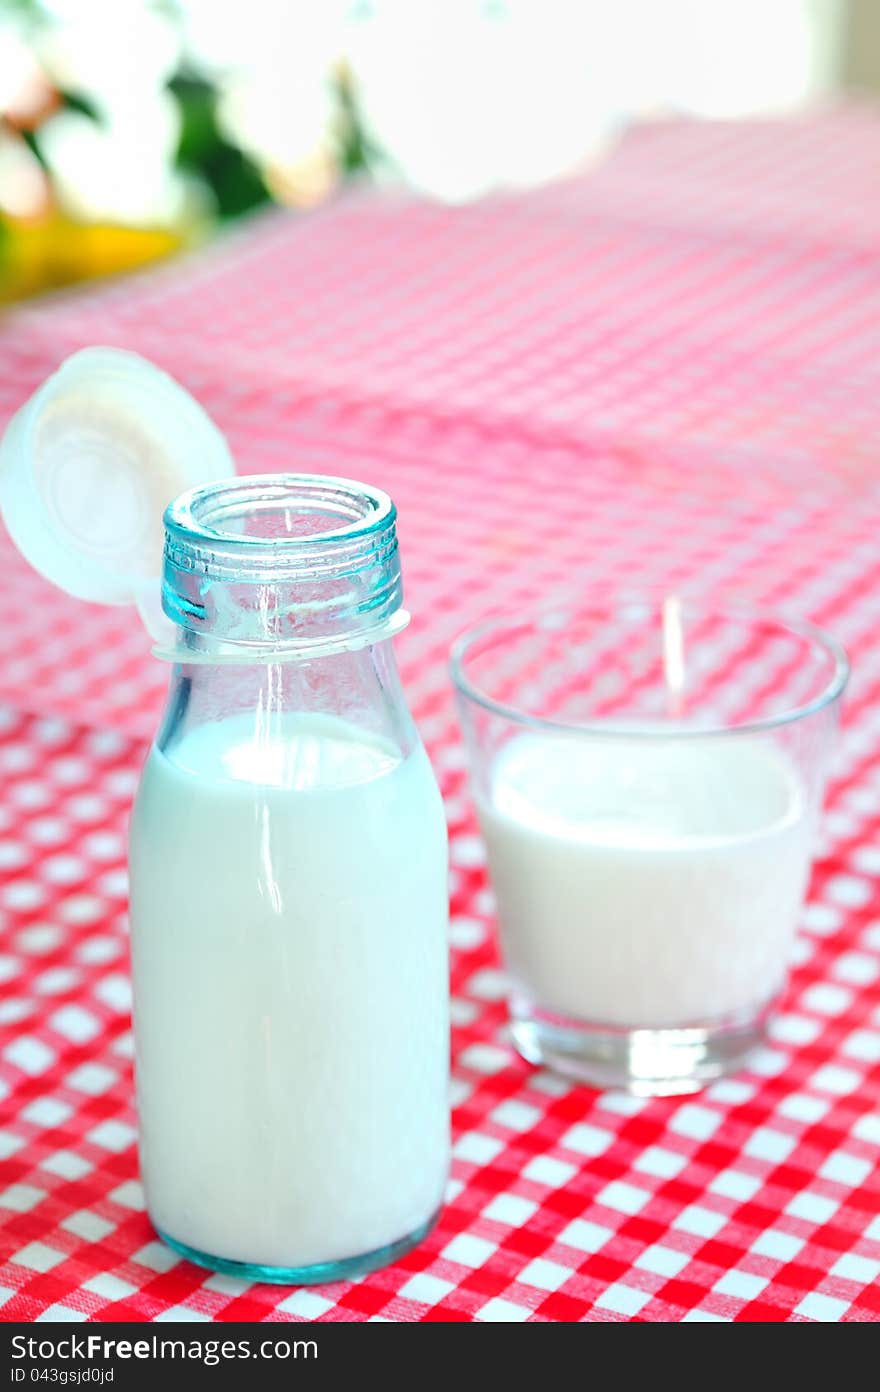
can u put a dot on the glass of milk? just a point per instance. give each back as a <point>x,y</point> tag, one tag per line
<point>288,896</point>
<point>648,777</point>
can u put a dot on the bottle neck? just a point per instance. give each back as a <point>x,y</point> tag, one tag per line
<point>265,699</point>
<point>282,562</point>
<point>285,591</point>
<point>183,646</point>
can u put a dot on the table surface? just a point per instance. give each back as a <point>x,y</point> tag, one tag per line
<point>666,373</point>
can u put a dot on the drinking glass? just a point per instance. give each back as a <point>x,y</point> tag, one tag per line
<point>648,777</point>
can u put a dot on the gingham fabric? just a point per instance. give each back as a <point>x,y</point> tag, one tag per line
<point>665,373</point>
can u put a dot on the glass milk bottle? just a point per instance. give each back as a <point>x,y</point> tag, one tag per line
<point>288,896</point>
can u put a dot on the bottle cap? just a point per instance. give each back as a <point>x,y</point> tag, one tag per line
<point>89,464</point>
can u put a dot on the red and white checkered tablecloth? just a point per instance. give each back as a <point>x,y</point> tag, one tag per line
<point>668,372</point>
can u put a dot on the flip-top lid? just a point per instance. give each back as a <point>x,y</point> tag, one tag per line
<point>89,464</point>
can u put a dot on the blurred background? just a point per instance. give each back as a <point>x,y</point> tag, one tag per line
<point>132,128</point>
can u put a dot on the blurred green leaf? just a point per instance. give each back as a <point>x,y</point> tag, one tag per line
<point>23,9</point>
<point>171,9</point>
<point>75,101</point>
<point>357,153</point>
<point>30,139</point>
<point>70,101</point>
<point>234,179</point>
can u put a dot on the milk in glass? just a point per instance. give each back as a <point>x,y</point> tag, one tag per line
<point>643,882</point>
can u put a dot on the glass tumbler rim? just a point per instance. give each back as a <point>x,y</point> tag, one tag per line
<point>552,617</point>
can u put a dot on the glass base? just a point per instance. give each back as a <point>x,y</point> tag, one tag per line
<point>319,1273</point>
<point>646,1062</point>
